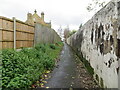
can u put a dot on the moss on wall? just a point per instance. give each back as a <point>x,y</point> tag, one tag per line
<point>101,83</point>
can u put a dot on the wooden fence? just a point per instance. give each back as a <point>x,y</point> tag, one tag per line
<point>15,34</point>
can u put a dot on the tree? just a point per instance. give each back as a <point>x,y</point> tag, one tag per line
<point>80,26</point>
<point>96,4</point>
<point>72,32</point>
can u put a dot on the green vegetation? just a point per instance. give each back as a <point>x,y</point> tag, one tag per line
<point>80,26</point>
<point>87,64</point>
<point>101,83</point>
<point>72,32</point>
<point>22,68</point>
<point>97,78</point>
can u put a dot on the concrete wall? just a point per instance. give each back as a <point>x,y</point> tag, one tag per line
<point>98,41</point>
<point>45,34</point>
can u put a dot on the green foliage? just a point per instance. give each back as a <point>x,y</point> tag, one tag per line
<point>52,46</point>
<point>101,83</point>
<point>97,77</point>
<point>72,32</point>
<point>87,64</point>
<point>21,68</point>
<point>80,26</point>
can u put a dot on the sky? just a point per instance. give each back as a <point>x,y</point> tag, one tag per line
<point>62,13</point>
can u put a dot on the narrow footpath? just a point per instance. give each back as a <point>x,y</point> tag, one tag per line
<point>70,72</point>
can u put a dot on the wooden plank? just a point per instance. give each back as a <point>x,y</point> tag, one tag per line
<point>24,27</point>
<point>7,45</point>
<point>25,43</point>
<point>10,45</point>
<point>18,36</point>
<point>17,26</point>
<point>7,36</point>
<point>19,44</point>
<point>31,29</point>
<point>27,28</point>
<point>0,45</point>
<point>30,44</point>
<point>4,44</point>
<point>31,37</point>
<point>7,25</point>
<point>24,36</point>
<point>0,23</point>
<point>0,35</point>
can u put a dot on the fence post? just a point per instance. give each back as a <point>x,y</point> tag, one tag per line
<point>14,27</point>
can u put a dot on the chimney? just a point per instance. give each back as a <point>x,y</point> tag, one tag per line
<point>42,16</point>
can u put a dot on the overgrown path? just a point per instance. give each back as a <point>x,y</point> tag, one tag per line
<point>69,72</point>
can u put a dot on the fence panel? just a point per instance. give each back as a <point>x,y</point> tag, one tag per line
<point>24,34</point>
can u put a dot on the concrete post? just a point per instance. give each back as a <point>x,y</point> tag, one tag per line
<point>14,28</point>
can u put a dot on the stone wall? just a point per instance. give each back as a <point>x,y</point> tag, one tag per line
<point>44,34</point>
<point>98,41</point>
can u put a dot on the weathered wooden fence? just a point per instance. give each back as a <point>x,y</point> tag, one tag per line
<point>15,33</point>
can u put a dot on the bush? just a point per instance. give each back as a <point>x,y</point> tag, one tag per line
<point>21,69</point>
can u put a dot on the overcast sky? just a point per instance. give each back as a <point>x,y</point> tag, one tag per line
<point>60,12</point>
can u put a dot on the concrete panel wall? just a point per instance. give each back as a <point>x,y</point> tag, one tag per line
<point>98,41</point>
<point>45,34</point>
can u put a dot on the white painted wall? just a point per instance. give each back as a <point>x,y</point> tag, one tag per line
<point>109,17</point>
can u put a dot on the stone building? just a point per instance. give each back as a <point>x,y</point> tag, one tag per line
<point>35,18</point>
